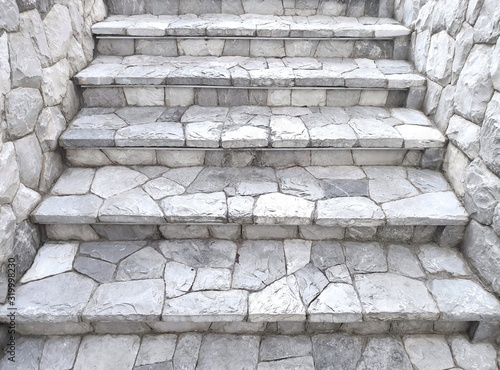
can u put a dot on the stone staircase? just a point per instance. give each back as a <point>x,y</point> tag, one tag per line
<point>253,167</point>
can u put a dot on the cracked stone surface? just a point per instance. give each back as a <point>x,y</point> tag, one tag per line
<point>200,281</point>
<point>252,127</point>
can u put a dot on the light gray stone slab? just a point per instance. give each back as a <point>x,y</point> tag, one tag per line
<point>233,352</point>
<point>210,207</point>
<point>429,352</point>
<point>403,261</point>
<point>311,282</point>
<point>473,356</point>
<point>325,254</point>
<point>464,300</point>
<point>304,363</point>
<point>441,208</point>
<point>27,356</point>
<point>240,209</point>
<point>276,208</point>
<point>108,351</point>
<point>156,349</point>
<point>143,264</point>
<point>336,351</point>
<point>74,181</point>
<point>208,278</point>
<point>374,133</point>
<point>427,181</point>
<point>51,259</point>
<point>161,187</point>
<point>348,211</point>
<point>60,352</point>
<point>152,134</point>
<point>435,260</point>
<point>297,254</point>
<point>338,274</point>
<point>297,181</point>
<point>99,270</point>
<point>365,257</point>
<point>207,306</point>
<point>126,301</point>
<point>337,303</point>
<point>203,134</point>
<point>387,190</point>
<point>282,346</point>
<point>74,209</point>
<point>178,279</point>
<point>279,301</point>
<point>187,350</point>
<point>387,353</point>
<point>105,186</point>
<point>389,296</point>
<point>421,137</point>
<point>288,132</point>
<point>131,206</point>
<point>200,253</point>
<point>111,251</point>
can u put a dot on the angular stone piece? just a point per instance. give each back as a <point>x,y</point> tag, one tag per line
<point>401,260</point>
<point>178,279</point>
<point>8,184</point>
<point>311,282</point>
<point>386,353</point>
<point>156,349</point>
<point>209,207</point>
<point>75,209</point>
<point>233,352</point>
<point>297,254</point>
<point>435,260</point>
<point>207,306</point>
<point>365,257</point>
<point>160,134</point>
<point>208,278</point>
<point>348,211</point>
<point>60,352</point>
<point>98,270</point>
<point>26,70</point>
<point>464,300</point>
<point>337,303</point>
<point>276,208</point>
<point>143,264</point>
<point>104,186</point>
<point>326,254</point>
<point>187,350</point>
<point>22,107</point>
<point>389,296</point>
<point>297,181</point>
<point>131,206</point>
<point>279,301</point>
<point>282,346</point>
<point>51,259</point>
<point>336,351</point>
<point>111,251</point>
<point>126,301</point>
<point>473,356</point>
<point>200,253</point>
<point>429,352</point>
<point>440,57</point>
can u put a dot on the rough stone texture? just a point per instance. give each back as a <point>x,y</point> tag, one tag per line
<point>439,67</point>
<point>489,137</point>
<point>234,352</point>
<point>429,352</point>
<point>473,356</point>
<point>384,353</point>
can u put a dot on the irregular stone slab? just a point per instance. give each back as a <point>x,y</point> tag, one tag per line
<point>74,181</point>
<point>297,254</point>
<point>200,253</point>
<point>178,279</point>
<point>346,212</point>
<point>442,208</point>
<point>280,301</point>
<point>374,133</point>
<point>401,260</point>
<point>207,306</point>
<point>161,187</point>
<point>283,346</point>
<point>260,263</point>
<point>233,352</point>
<point>156,348</point>
<point>59,298</point>
<point>133,206</point>
<point>297,181</point>
<point>208,278</point>
<point>337,303</point>
<point>311,282</point>
<point>327,253</point>
<point>473,356</point>
<point>107,352</point>
<point>365,257</point>
<point>385,353</point>
<point>464,300</point>
<point>27,355</point>
<point>105,186</point>
<point>429,352</point>
<point>279,208</point>
<point>204,134</point>
<point>392,297</point>
<point>144,264</point>
<point>187,350</point>
<point>336,352</point>
<point>101,271</point>
<point>74,209</point>
<point>388,190</point>
<point>435,260</point>
<point>288,132</point>
<point>60,352</point>
<point>338,274</point>
<point>126,301</point>
<point>22,107</point>
<point>427,181</point>
<point>159,134</point>
<point>303,363</point>
<point>51,259</point>
<point>111,251</point>
<point>210,207</point>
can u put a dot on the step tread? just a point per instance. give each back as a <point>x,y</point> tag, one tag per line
<point>252,127</point>
<point>246,72</point>
<point>249,281</point>
<point>256,351</point>
<point>249,25</point>
<point>328,196</point>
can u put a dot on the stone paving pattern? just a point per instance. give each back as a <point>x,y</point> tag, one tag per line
<point>252,127</point>
<point>249,25</point>
<point>327,196</point>
<point>207,281</point>
<point>239,71</point>
<point>195,351</point>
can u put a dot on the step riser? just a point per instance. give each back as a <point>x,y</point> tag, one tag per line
<point>117,97</point>
<point>284,328</point>
<point>353,8</point>
<point>449,236</point>
<point>370,49</point>
<point>428,159</point>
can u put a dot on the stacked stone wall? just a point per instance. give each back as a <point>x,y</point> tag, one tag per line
<point>456,45</point>
<point>43,44</point>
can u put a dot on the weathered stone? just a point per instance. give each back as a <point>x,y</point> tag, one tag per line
<point>208,278</point>
<point>474,86</point>
<point>209,207</point>
<point>440,57</point>
<point>98,270</point>
<point>111,251</point>
<point>338,274</point>
<point>143,264</point>
<point>126,301</point>
<point>435,260</point>
<point>279,301</point>
<point>311,282</point>
<point>27,354</point>
<point>8,184</point>
<point>104,187</point>
<point>463,300</point>
<point>24,202</point>
<point>326,254</point>
<point>234,352</point>
<point>22,107</point>
<point>337,303</point>
<point>276,208</point>
<point>386,353</point>
<point>495,66</point>
<point>184,231</point>
<point>207,306</point>
<point>74,181</point>
<point>51,259</point>
<point>389,296</point>
<point>280,347</point>
<point>260,264</point>
<point>297,181</point>
<point>107,351</point>
<point>348,211</point>
<point>178,279</point>
<point>365,257</point>
<point>200,253</point>
<point>60,352</point>
<point>68,209</point>
<point>26,70</point>
<point>297,254</point>
<point>187,350</point>
<point>490,135</point>
<point>401,260</point>
<point>131,206</point>
<point>57,26</point>
<point>473,356</point>
<point>336,352</point>
<point>50,125</point>
<point>428,352</point>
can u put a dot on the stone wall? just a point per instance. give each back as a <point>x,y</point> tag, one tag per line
<point>456,45</point>
<point>42,45</point>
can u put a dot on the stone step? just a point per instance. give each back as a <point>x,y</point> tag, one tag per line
<point>252,35</point>
<point>217,350</point>
<point>135,287</point>
<point>247,127</point>
<point>326,196</point>
<point>351,8</point>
